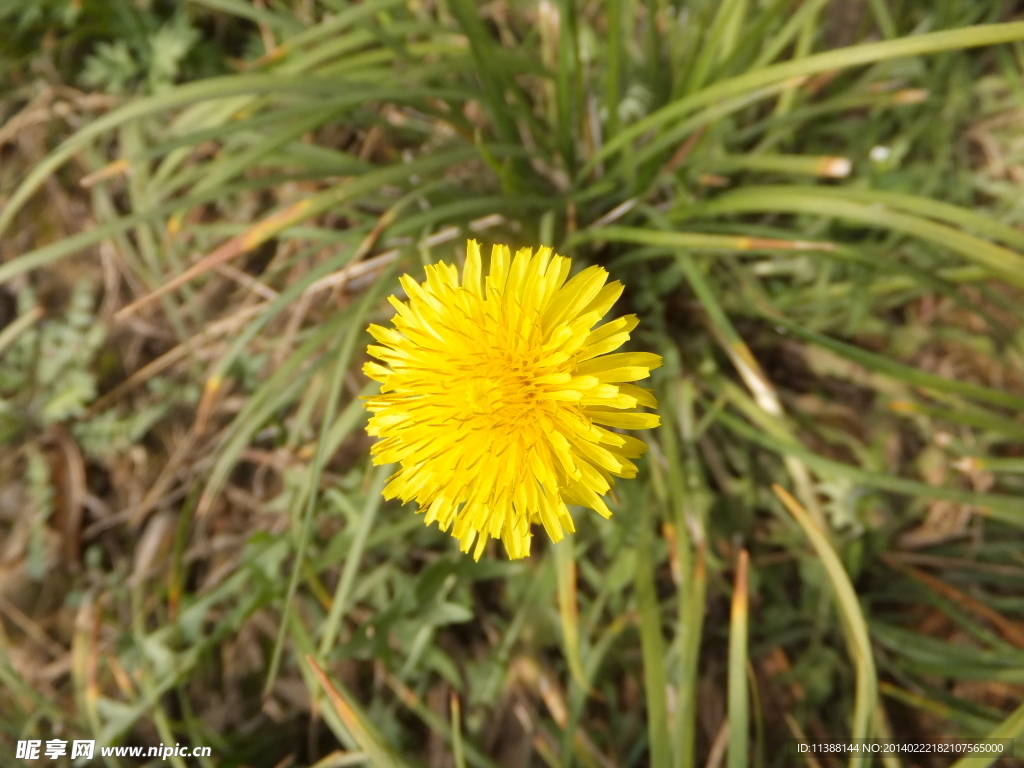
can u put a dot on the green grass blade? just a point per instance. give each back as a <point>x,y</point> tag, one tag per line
<point>690,499</point>
<point>692,618</point>
<point>901,372</point>
<point>883,18</point>
<point>866,696</point>
<point>973,417</point>
<point>613,66</point>
<point>717,44</point>
<point>343,592</point>
<point>707,116</point>
<point>692,240</point>
<point>1007,264</point>
<point>928,207</point>
<point>254,13</point>
<point>491,75</point>
<point>738,695</point>
<point>570,110</point>
<point>458,750</point>
<point>653,648</point>
<point>370,740</point>
<point>568,608</point>
<point>841,58</point>
<point>1011,728</point>
<point>280,388</point>
<point>824,166</point>
<point>778,42</point>
<point>1009,509</point>
<point>179,96</point>
<point>341,365</point>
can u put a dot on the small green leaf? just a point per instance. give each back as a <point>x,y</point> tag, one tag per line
<point>111,68</point>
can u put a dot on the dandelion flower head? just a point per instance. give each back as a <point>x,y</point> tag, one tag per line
<point>498,392</point>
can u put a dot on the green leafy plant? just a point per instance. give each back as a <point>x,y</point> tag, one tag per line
<point>158,60</point>
<point>112,45</point>
<point>46,374</point>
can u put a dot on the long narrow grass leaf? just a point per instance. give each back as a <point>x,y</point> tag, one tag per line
<point>866,696</point>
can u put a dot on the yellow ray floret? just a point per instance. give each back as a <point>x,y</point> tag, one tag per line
<point>496,392</point>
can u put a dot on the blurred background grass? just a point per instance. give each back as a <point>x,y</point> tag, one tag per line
<point>816,209</point>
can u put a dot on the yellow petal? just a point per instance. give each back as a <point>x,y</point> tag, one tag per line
<point>473,270</point>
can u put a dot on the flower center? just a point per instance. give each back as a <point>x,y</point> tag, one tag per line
<point>499,390</point>
<point>483,396</point>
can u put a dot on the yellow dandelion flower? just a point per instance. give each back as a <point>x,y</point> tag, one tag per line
<point>497,391</point>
